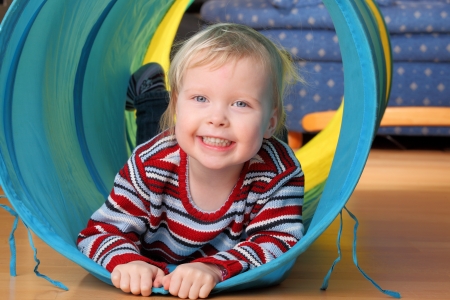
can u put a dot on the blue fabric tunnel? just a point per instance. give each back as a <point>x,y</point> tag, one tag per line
<point>64,133</point>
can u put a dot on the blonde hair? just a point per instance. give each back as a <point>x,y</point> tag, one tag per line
<point>221,43</point>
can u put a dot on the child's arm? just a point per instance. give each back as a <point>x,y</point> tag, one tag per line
<point>275,227</point>
<point>112,236</point>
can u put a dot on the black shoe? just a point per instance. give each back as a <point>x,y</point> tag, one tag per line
<point>149,77</point>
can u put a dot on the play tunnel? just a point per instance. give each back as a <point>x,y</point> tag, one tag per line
<point>64,133</point>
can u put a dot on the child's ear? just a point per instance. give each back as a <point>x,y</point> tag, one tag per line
<point>272,124</point>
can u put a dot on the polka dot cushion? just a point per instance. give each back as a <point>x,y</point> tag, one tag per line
<point>420,40</point>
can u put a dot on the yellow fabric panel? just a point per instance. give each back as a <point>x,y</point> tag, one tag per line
<point>161,43</point>
<point>385,41</point>
<point>317,155</point>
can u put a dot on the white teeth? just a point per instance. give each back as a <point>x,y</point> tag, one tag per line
<point>216,141</point>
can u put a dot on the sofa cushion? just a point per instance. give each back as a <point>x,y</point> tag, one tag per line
<point>288,4</point>
<point>413,84</point>
<point>401,17</point>
<point>322,45</point>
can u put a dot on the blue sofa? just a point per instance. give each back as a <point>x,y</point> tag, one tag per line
<point>420,37</point>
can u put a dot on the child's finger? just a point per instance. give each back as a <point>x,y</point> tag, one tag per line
<point>158,280</point>
<point>194,291</point>
<point>146,283</point>
<point>115,278</point>
<point>174,285</point>
<point>185,288</point>
<point>134,283</point>
<point>205,290</point>
<point>166,281</point>
<point>124,284</point>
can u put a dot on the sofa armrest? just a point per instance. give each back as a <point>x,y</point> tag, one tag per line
<point>393,116</point>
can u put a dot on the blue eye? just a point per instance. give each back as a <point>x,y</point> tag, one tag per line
<point>200,99</point>
<point>240,104</point>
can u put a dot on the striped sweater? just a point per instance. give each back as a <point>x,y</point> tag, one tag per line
<point>150,216</point>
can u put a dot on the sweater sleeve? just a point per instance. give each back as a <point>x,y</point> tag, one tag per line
<point>275,227</point>
<point>112,235</point>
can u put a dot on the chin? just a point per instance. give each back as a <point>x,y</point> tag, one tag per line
<point>219,166</point>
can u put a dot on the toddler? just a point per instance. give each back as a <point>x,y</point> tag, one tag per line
<point>214,193</point>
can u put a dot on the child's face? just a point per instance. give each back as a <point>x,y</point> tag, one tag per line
<point>222,114</point>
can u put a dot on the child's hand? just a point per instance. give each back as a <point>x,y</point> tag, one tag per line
<point>193,280</point>
<point>137,277</point>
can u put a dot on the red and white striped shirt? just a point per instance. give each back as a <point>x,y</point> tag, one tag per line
<point>150,216</point>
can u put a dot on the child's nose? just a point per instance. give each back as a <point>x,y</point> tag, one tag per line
<point>218,117</point>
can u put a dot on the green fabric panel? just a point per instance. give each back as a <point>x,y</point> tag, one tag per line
<point>310,203</point>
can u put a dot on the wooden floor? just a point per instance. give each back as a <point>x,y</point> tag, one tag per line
<point>403,205</point>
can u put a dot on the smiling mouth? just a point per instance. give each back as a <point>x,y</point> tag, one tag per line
<point>216,142</point>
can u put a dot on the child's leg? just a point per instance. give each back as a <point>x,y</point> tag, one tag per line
<point>149,109</point>
<point>147,93</point>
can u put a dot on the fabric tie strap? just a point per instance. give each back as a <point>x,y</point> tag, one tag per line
<point>12,247</point>
<point>355,258</point>
<point>11,240</point>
